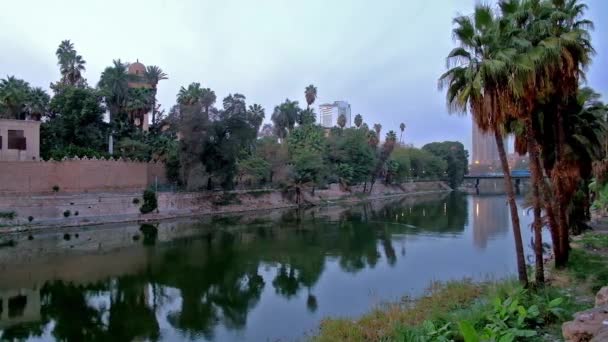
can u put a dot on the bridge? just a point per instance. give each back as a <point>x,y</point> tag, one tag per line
<point>493,182</point>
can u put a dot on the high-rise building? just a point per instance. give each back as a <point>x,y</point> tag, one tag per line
<point>485,151</point>
<point>330,112</point>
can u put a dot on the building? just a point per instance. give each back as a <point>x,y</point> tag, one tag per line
<point>330,112</point>
<point>138,70</point>
<point>485,156</point>
<point>19,140</point>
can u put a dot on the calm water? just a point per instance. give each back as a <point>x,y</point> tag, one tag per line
<point>257,277</point>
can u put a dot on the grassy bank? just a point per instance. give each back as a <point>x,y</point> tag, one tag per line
<point>498,311</point>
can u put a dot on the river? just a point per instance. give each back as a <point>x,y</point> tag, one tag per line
<point>261,276</point>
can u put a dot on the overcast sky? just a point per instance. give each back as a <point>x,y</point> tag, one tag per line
<point>384,56</point>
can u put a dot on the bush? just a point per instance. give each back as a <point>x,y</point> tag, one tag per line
<point>67,213</point>
<point>150,202</point>
<point>136,200</point>
<point>55,188</point>
<point>30,218</point>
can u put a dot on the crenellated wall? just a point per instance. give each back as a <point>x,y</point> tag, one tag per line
<point>78,175</point>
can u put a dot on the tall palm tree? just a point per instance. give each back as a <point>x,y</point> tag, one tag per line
<point>114,87</point>
<point>476,83</point>
<point>358,120</point>
<point>402,128</point>
<point>14,94</point>
<point>378,129</point>
<point>71,64</point>
<point>153,75</point>
<point>311,95</point>
<point>208,98</point>
<point>255,115</point>
<point>190,95</point>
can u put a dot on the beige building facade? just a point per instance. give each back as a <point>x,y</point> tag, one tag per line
<point>19,140</point>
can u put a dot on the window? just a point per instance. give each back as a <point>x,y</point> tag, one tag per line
<point>16,140</point>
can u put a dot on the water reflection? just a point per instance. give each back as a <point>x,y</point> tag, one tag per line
<point>244,277</point>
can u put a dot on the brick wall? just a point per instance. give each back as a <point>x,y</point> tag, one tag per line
<point>78,175</point>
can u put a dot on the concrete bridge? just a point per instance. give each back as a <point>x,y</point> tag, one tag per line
<point>494,182</point>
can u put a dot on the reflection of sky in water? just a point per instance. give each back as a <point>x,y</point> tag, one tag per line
<point>277,279</point>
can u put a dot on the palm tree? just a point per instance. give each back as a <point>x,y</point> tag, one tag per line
<point>37,103</point>
<point>190,95</point>
<point>402,128</point>
<point>13,97</point>
<point>378,129</point>
<point>476,83</point>
<point>256,115</point>
<point>311,95</point>
<point>114,87</point>
<point>153,75</point>
<point>342,121</point>
<point>358,120</point>
<point>71,64</point>
<point>207,99</point>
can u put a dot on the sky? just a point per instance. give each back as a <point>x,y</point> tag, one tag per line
<point>384,57</point>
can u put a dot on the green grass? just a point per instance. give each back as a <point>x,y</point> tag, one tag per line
<point>591,267</point>
<point>595,240</point>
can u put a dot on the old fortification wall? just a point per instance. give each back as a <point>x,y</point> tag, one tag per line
<point>78,175</point>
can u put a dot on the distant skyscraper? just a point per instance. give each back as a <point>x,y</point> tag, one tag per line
<point>485,151</point>
<point>330,112</point>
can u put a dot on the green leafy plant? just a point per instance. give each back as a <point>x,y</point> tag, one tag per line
<point>150,202</point>
<point>55,188</point>
<point>67,213</point>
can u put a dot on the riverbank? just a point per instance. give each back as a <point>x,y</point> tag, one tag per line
<point>470,311</point>
<point>68,210</point>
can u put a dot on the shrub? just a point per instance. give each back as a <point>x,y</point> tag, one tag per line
<point>55,188</point>
<point>76,213</point>
<point>30,218</point>
<point>9,215</point>
<point>150,202</point>
<point>67,213</point>
<point>136,200</point>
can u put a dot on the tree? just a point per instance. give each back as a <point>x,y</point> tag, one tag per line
<point>342,121</point>
<point>114,87</point>
<point>255,115</point>
<point>37,105</point>
<point>71,64</point>
<point>358,120</point>
<point>311,95</point>
<point>76,127</point>
<point>478,82</point>
<point>153,75</point>
<point>14,95</point>
<point>207,98</point>
<point>455,156</point>
<point>285,117</point>
<point>190,95</point>
<point>378,129</point>
<point>402,128</point>
<point>383,156</point>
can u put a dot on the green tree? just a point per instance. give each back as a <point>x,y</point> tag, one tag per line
<point>402,128</point>
<point>153,75</point>
<point>455,156</point>
<point>14,95</point>
<point>114,87</point>
<point>285,117</point>
<point>311,95</point>
<point>341,121</point>
<point>358,120</point>
<point>71,64</point>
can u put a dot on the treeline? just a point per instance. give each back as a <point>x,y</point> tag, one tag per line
<point>519,69</point>
<point>207,145</point>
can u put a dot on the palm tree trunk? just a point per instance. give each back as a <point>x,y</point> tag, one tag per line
<point>154,107</point>
<point>519,248</point>
<point>562,220</point>
<point>536,203</point>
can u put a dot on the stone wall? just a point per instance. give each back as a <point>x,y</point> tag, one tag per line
<point>78,175</point>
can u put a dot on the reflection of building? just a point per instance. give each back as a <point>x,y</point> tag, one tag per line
<point>19,140</point>
<point>19,306</point>
<point>330,112</point>
<point>490,218</point>
<point>485,153</point>
<point>517,162</point>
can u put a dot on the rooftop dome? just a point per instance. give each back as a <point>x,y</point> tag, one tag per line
<point>137,68</point>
